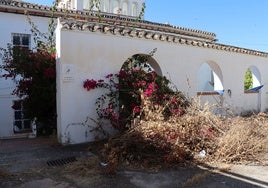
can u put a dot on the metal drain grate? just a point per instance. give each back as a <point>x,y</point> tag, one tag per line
<point>61,162</point>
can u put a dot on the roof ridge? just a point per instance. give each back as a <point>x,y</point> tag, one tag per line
<point>92,26</point>
<point>170,28</point>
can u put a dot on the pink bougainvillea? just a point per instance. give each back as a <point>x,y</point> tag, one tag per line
<point>151,89</point>
<point>136,109</point>
<point>34,72</point>
<point>122,102</point>
<point>90,84</point>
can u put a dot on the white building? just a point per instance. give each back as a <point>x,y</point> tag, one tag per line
<point>123,7</point>
<point>15,29</point>
<point>191,58</point>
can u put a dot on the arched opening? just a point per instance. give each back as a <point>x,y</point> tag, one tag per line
<point>210,78</point>
<point>252,80</point>
<point>252,88</point>
<point>136,75</point>
<point>125,8</point>
<point>134,9</point>
<point>116,8</point>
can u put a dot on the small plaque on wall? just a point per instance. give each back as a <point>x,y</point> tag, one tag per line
<point>68,72</point>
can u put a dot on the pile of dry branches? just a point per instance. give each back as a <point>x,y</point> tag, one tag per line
<point>180,139</point>
<point>245,141</point>
<point>157,140</point>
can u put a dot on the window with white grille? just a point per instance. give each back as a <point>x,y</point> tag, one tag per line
<point>21,122</point>
<point>21,40</point>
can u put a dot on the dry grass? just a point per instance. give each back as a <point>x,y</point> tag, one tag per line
<point>245,141</point>
<point>84,167</point>
<point>224,168</point>
<point>195,179</point>
<point>156,142</point>
<point>179,139</point>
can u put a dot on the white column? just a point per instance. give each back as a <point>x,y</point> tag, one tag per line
<point>79,4</point>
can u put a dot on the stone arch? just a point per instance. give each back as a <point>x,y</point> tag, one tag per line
<point>256,76</point>
<point>209,77</point>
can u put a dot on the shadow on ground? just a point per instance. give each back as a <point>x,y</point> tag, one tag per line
<point>24,164</point>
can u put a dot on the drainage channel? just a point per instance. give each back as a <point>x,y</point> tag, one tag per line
<point>62,161</point>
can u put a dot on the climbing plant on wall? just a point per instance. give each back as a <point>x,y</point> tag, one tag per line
<point>133,92</point>
<point>34,72</point>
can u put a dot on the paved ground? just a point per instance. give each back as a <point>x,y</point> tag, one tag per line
<point>23,164</point>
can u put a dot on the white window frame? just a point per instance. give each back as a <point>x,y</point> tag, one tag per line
<point>20,112</point>
<point>21,36</point>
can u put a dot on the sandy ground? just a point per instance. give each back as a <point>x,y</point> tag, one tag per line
<point>23,164</point>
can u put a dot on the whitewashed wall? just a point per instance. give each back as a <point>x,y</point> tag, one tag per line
<point>94,55</point>
<point>13,23</point>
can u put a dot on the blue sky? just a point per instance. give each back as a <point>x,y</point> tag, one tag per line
<point>235,22</point>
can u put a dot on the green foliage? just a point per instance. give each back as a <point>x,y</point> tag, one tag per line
<point>248,81</point>
<point>141,14</point>
<point>134,92</point>
<point>35,76</point>
<point>34,72</point>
